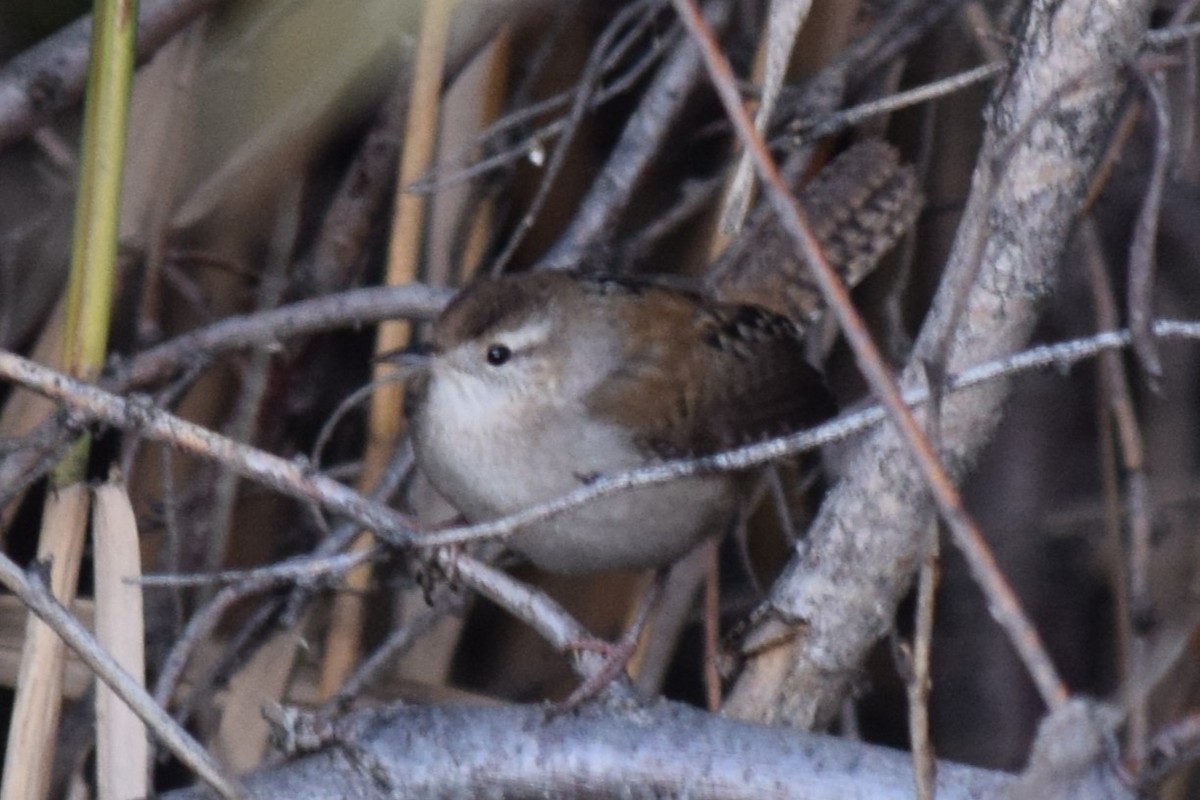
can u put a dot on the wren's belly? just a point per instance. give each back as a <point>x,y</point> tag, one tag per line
<point>634,529</point>
<point>638,528</point>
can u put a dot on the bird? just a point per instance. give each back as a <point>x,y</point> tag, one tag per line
<point>538,383</point>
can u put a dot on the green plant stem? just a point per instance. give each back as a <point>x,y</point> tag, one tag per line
<point>97,211</point>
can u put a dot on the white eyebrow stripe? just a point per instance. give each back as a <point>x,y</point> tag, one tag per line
<point>529,335</point>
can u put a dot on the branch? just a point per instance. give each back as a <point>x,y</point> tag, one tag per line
<point>640,146</point>
<point>863,548</point>
<point>265,328</point>
<point>288,478</point>
<point>667,750</point>
<point>136,414</point>
<point>50,76</point>
<point>24,465</point>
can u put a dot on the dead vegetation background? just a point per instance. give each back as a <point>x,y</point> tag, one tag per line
<point>285,150</point>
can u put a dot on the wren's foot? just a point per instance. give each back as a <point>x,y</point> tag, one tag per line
<point>431,566</point>
<point>616,654</point>
<point>616,657</point>
<point>437,566</point>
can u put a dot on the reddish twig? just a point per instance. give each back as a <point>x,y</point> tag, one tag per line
<point>1133,556</point>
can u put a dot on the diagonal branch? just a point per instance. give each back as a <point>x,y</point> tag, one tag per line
<point>35,594</point>
<point>50,76</point>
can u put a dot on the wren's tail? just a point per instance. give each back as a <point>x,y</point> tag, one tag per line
<point>859,206</point>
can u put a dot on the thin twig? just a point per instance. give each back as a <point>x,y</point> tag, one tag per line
<point>252,386</point>
<point>341,242</point>
<point>848,118</point>
<point>395,645</point>
<point>267,328</point>
<point>301,569</point>
<point>435,181</point>
<point>920,682</point>
<point>1173,35</point>
<point>587,83</point>
<point>348,404</point>
<point>1056,356</point>
<point>640,146</point>
<point>1142,261</point>
<point>784,18</point>
<point>1133,556</point>
<point>1174,746</point>
<point>295,482</point>
<point>287,477</point>
<point>22,467</point>
<point>200,627</point>
<point>529,605</point>
<point>398,469</point>
<point>1191,87</point>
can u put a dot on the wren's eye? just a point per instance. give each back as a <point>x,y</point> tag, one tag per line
<point>498,354</point>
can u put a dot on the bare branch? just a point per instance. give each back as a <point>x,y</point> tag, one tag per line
<point>50,76</point>
<point>293,481</point>
<point>266,328</point>
<point>287,477</point>
<point>666,750</point>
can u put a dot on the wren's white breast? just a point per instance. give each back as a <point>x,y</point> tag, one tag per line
<point>490,464</point>
<point>493,452</point>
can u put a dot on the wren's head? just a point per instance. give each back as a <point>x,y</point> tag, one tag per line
<point>492,345</point>
<point>501,420</point>
<point>514,360</point>
<point>505,341</point>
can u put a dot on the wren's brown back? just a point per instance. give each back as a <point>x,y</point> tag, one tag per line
<point>756,381</point>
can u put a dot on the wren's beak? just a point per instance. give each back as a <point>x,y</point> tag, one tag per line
<point>412,368</point>
<point>414,359</point>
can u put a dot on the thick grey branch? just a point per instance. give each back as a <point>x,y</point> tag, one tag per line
<point>668,750</point>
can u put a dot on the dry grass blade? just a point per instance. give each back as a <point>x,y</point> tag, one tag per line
<point>122,747</point>
<point>36,713</point>
<point>783,23</point>
<point>243,736</point>
<point>77,679</point>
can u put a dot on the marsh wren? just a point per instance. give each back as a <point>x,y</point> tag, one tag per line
<point>540,382</point>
